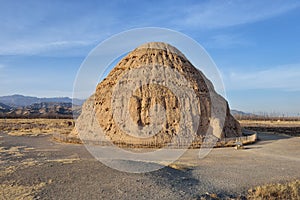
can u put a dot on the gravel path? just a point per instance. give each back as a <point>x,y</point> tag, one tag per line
<point>68,171</point>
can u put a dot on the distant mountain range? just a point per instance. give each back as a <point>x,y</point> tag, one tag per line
<point>20,100</point>
<point>240,113</point>
<point>19,106</point>
<point>4,107</point>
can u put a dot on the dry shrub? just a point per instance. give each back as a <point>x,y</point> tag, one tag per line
<point>290,190</point>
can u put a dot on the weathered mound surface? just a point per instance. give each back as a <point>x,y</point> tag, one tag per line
<point>155,55</point>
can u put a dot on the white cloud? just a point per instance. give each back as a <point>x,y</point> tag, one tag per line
<point>36,28</point>
<point>227,41</point>
<point>217,14</point>
<point>35,47</point>
<point>284,77</point>
<point>48,27</point>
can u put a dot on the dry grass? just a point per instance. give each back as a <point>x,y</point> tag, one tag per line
<point>14,190</point>
<point>180,165</point>
<point>15,151</point>
<point>291,128</point>
<point>290,190</point>
<point>36,127</point>
<point>65,161</point>
<point>11,191</point>
<point>8,170</point>
<point>269,123</point>
<point>286,191</point>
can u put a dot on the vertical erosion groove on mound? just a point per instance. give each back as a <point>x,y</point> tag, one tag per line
<point>144,97</point>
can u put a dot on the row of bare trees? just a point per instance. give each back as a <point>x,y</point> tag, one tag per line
<point>267,117</point>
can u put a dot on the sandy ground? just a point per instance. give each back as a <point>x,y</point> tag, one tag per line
<point>39,168</point>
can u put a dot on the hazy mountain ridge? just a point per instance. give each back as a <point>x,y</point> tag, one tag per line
<point>4,107</point>
<point>19,106</point>
<point>41,110</point>
<point>241,113</point>
<point>20,100</point>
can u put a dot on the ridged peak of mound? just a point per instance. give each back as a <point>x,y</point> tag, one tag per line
<point>161,46</point>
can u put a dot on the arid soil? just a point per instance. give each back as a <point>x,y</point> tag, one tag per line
<point>40,168</point>
<point>291,128</point>
<point>34,127</point>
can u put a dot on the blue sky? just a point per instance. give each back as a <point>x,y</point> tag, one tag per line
<point>255,44</point>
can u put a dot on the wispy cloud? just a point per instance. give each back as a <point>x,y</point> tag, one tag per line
<point>35,47</point>
<point>281,77</point>
<point>37,27</point>
<point>218,14</point>
<point>227,41</point>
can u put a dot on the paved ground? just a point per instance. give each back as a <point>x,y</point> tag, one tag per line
<point>51,170</point>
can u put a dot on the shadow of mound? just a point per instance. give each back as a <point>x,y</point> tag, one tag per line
<point>179,181</point>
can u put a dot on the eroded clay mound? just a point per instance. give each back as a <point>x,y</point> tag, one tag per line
<point>152,58</point>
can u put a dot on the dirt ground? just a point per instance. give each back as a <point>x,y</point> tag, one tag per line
<point>40,168</point>
<point>34,127</point>
<point>291,128</point>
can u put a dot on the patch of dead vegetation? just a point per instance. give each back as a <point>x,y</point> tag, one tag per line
<point>35,127</point>
<point>277,191</point>
<point>16,151</point>
<point>269,123</point>
<point>180,165</point>
<point>287,128</point>
<point>15,191</point>
<point>8,170</point>
<point>13,152</point>
<point>290,190</point>
<point>65,161</point>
